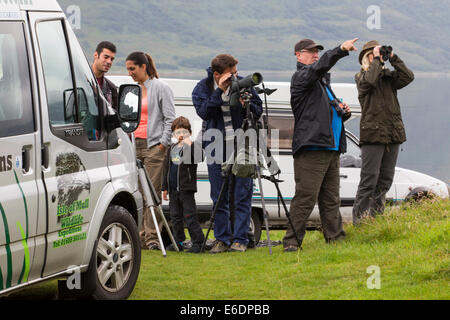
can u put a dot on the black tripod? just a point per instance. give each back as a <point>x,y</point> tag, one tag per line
<point>272,167</point>
<point>251,123</point>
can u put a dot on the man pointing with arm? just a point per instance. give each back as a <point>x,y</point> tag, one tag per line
<point>319,138</point>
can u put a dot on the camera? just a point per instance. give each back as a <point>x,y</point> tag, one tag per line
<point>385,52</point>
<point>241,85</point>
<point>337,106</point>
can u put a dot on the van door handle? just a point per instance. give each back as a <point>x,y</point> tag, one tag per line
<point>26,158</point>
<point>45,155</point>
<point>344,176</point>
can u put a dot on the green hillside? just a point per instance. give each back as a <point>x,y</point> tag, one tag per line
<point>185,35</point>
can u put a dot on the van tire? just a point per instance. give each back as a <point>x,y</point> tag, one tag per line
<point>257,225</point>
<point>418,194</point>
<point>117,219</point>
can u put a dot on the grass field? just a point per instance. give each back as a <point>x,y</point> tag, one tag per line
<point>409,245</point>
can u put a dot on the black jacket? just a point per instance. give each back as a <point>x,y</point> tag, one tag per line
<point>187,170</point>
<point>311,105</point>
<point>208,105</point>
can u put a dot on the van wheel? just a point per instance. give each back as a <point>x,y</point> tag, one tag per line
<point>116,259</point>
<point>418,194</point>
<point>256,224</point>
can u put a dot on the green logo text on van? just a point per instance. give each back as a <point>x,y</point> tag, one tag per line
<point>74,207</point>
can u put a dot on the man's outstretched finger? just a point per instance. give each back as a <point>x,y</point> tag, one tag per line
<point>353,48</point>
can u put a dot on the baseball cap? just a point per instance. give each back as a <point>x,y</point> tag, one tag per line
<point>306,44</point>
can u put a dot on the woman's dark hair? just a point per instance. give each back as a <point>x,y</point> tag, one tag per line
<point>141,58</point>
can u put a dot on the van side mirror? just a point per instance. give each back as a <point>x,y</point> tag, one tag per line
<point>129,107</point>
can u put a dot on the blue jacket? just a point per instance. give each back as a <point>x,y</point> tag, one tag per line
<point>208,104</point>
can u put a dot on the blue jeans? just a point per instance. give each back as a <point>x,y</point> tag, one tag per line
<point>242,202</point>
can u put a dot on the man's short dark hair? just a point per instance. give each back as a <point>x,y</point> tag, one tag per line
<point>105,45</point>
<point>222,62</point>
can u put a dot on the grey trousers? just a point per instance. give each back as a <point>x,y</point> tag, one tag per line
<point>377,175</point>
<point>316,181</point>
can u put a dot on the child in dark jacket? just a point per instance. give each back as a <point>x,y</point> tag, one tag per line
<point>180,183</point>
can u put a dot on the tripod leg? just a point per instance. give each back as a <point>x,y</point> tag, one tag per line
<point>266,220</point>
<point>152,209</point>
<point>168,228</point>
<point>213,214</point>
<point>151,202</point>
<point>288,215</point>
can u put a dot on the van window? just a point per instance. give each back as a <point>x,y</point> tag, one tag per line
<point>285,127</point>
<point>16,108</point>
<point>57,73</point>
<point>61,100</point>
<point>87,90</point>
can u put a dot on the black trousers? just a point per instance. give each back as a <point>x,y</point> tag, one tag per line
<point>184,210</point>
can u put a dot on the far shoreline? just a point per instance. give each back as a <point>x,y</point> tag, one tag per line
<point>275,75</point>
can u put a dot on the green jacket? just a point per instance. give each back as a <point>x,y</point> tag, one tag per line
<point>381,119</point>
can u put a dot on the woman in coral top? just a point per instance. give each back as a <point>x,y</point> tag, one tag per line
<point>154,132</point>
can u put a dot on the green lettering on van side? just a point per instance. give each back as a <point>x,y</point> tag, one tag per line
<point>65,232</point>
<point>71,221</point>
<point>69,240</point>
<point>73,207</point>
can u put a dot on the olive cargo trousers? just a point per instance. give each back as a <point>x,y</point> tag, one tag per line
<point>316,181</point>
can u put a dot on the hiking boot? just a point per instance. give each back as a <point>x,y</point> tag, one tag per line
<point>238,247</point>
<point>194,249</point>
<point>219,247</point>
<point>171,247</point>
<point>251,244</point>
<point>290,248</point>
<point>153,246</point>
